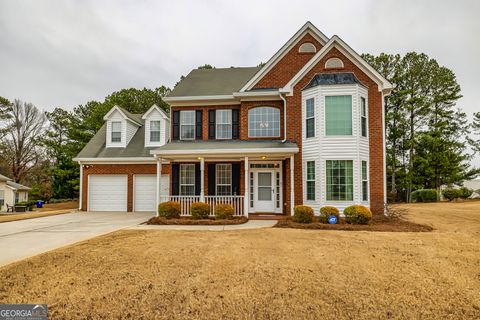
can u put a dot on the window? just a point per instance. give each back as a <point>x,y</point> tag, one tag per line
<point>364,181</point>
<point>187,125</point>
<point>363,113</point>
<point>310,180</point>
<point>307,47</point>
<point>224,179</point>
<point>340,180</point>
<point>264,122</point>
<point>116,131</point>
<point>310,116</point>
<point>187,179</point>
<point>224,124</point>
<point>338,115</point>
<point>155,131</point>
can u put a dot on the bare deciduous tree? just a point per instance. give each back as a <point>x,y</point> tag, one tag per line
<point>19,146</point>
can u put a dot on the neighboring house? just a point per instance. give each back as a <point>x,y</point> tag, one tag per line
<point>11,192</point>
<point>305,128</point>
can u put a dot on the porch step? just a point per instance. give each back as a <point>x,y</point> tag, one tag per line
<point>256,216</point>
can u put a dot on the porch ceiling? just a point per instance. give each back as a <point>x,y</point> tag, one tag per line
<point>231,149</point>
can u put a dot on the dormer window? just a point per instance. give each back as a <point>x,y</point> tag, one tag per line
<point>116,131</point>
<point>155,131</point>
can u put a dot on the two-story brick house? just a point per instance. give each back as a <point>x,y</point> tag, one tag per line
<point>305,128</point>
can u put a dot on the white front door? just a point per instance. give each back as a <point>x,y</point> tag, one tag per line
<point>264,191</point>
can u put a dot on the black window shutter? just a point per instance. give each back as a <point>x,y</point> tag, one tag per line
<point>176,125</point>
<point>197,179</point>
<point>236,179</point>
<point>235,124</point>
<point>175,179</point>
<point>211,124</point>
<point>211,179</point>
<point>198,125</point>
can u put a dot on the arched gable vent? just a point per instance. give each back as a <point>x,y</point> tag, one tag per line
<point>307,47</point>
<point>334,63</point>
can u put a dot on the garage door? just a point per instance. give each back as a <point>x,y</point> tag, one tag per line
<point>107,193</point>
<point>145,189</point>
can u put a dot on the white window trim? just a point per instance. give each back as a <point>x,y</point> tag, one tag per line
<point>362,116</point>
<point>184,165</point>
<point>159,131</point>
<point>308,118</point>
<point>309,180</point>
<point>182,125</point>
<point>364,180</point>
<point>111,132</point>
<point>217,123</point>
<point>217,184</point>
<point>279,122</point>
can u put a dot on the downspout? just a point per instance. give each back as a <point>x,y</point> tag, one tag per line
<point>284,117</point>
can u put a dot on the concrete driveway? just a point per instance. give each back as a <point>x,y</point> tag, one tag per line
<point>22,239</point>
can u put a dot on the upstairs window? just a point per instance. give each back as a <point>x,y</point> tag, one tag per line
<point>363,114</point>
<point>310,117</point>
<point>116,131</point>
<point>223,176</point>
<point>338,115</point>
<point>187,125</point>
<point>155,131</point>
<point>263,122</point>
<point>223,124</point>
<point>187,179</point>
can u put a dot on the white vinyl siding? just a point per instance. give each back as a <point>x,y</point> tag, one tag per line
<point>321,147</point>
<point>154,116</point>
<point>127,130</point>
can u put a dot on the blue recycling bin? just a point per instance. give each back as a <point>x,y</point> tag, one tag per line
<point>39,203</point>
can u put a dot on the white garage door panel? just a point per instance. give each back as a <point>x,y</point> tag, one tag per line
<point>145,189</point>
<point>107,193</point>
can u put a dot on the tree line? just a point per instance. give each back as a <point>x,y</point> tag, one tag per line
<point>427,135</point>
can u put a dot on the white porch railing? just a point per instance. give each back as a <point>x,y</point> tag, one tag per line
<point>186,201</point>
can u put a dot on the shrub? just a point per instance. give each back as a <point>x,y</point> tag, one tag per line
<point>451,194</point>
<point>303,214</point>
<point>169,209</point>
<point>465,192</point>
<point>326,212</point>
<point>199,210</point>
<point>357,214</point>
<point>424,195</point>
<point>223,211</point>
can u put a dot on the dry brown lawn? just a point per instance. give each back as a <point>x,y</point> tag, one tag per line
<point>264,274</point>
<point>47,210</point>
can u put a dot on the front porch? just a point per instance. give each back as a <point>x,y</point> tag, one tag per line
<point>254,177</point>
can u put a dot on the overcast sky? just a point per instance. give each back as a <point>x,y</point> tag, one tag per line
<point>64,53</point>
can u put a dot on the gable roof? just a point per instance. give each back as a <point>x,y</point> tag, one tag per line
<point>212,82</point>
<point>17,186</point>
<point>4,178</point>
<point>308,27</point>
<point>135,118</point>
<point>155,107</point>
<point>336,42</point>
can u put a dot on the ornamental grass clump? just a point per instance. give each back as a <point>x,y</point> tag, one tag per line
<point>357,214</point>
<point>302,214</point>
<point>199,210</point>
<point>169,209</point>
<point>326,212</point>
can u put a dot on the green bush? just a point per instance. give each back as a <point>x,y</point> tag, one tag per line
<point>169,209</point>
<point>465,192</point>
<point>303,214</point>
<point>326,212</point>
<point>424,195</point>
<point>451,194</point>
<point>223,211</point>
<point>357,214</point>
<point>199,210</point>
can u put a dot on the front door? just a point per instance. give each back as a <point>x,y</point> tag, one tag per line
<point>265,200</point>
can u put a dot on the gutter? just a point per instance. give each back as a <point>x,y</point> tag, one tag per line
<point>284,117</point>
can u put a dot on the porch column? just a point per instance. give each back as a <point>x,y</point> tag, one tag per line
<point>158,184</point>
<point>80,193</point>
<point>292,196</point>
<point>246,188</point>
<point>202,179</point>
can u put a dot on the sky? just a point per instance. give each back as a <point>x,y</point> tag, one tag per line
<point>62,53</point>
